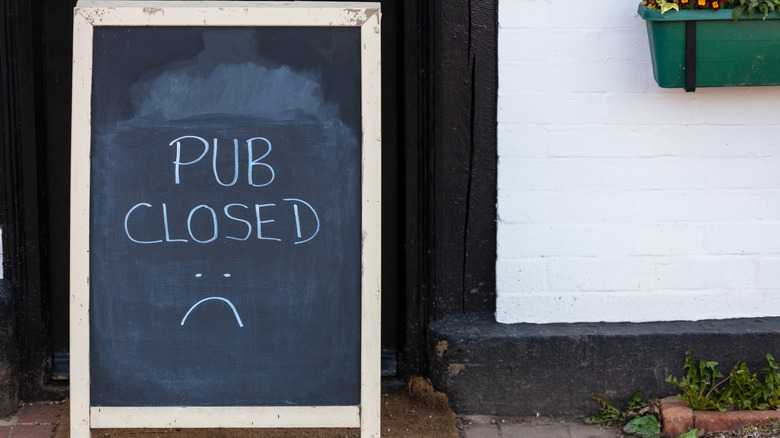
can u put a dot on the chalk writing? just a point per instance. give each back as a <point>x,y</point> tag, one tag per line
<point>190,150</point>
<point>298,221</point>
<point>232,307</point>
<point>127,216</point>
<point>252,162</point>
<point>177,226</point>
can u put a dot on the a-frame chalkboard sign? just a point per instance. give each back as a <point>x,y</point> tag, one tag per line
<point>225,254</point>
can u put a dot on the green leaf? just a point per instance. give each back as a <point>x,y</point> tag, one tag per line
<point>737,12</point>
<point>764,9</point>
<point>752,6</point>
<point>772,363</point>
<point>694,433</point>
<point>636,401</point>
<point>646,427</point>
<point>667,6</point>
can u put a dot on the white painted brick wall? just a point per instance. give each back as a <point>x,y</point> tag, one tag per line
<point>619,200</point>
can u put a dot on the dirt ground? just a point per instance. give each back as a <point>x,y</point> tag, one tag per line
<point>418,411</point>
<point>771,430</point>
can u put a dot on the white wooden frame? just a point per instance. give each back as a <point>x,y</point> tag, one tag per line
<point>91,13</point>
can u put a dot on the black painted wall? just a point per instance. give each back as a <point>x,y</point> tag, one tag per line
<point>552,369</point>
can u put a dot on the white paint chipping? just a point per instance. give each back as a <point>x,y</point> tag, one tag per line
<point>619,200</point>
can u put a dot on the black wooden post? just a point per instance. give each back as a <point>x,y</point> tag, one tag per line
<point>466,78</point>
<point>449,132</point>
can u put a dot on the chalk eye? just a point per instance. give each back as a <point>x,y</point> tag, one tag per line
<point>226,275</point>
<point>198,275</point>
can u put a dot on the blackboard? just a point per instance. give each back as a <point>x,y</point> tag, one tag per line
<point>226,202</point>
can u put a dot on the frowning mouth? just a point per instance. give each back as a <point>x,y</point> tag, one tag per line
<point>232,307</point>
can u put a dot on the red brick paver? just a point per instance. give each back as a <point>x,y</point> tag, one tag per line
<point>43,413</point>
<point>37,420</point>
<point>733,420</point>
<point>33,431</point>
<point>678,418</point>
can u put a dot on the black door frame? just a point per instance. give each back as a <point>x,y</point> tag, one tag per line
<point>23,210</point>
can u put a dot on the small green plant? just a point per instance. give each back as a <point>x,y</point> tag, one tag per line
<point>609,413</point>
<point>763,6</point>
<point>698,384</point>
<point>745,392</point>
<point>706,389</point>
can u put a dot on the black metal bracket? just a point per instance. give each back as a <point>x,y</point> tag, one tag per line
<point>690,56</point>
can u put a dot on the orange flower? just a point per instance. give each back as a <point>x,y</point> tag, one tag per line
<point>701,3</point>
<point>684,2</point>
<point>716,5</point>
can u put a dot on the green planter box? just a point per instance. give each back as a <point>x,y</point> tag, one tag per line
<point>728,53</point>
